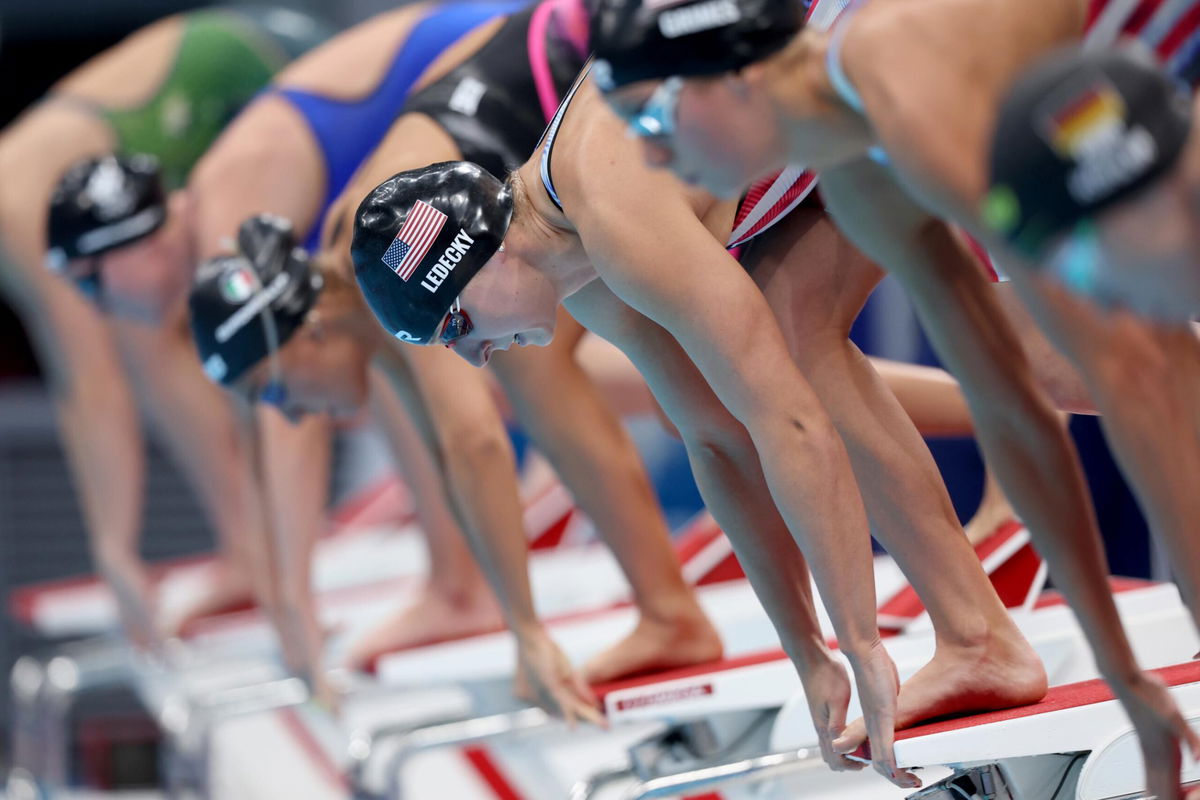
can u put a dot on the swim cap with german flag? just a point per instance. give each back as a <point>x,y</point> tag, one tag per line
<point>420,237</point>
<point>1078,133</point>
<point>637,40</point>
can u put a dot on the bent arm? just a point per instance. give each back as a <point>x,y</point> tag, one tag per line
<point>1025,443</point>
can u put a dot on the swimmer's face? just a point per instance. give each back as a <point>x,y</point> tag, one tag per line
<point>1143,255</point>
<point>322,369</point>
<point>146,280</point>
<point>508,303</point>
<point>710,131</point>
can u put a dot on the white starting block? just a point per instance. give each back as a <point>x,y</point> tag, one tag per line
<point>372,540</point>
<point>364,564</point>
<point>1076,743</point>
<point>748,682</point>
<point>1160,630</point>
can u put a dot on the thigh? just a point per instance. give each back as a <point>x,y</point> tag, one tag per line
<point>74,341</point>
<point>814,280</point>
<point>1046,326</point>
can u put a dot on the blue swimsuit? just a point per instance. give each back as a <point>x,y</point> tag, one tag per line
<point>348,131</point>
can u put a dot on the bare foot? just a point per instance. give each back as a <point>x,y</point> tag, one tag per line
<point>961,681</point>
<point>994,510</point>
<point>436,616</point>
<point>229,591</point>
<point>654,646</point>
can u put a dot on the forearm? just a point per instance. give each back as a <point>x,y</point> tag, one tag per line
<point>198,424</point>
<point>295,463</point>
<point>1154,433</point>
<point>597,461</point>
<point>104,447</point>
<point>452,567</point>
<point>452,407</point>
<point>735,493</point>
<point>481,479</point>
<point>808,472</point>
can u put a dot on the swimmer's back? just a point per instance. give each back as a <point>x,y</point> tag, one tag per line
<point>171,88</point>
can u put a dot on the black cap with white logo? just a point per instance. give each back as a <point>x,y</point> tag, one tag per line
<point>1078,133</point>
<point>420,237</point>
<point>637,40</point>
<point>245,305</point>
<point>104,203</point>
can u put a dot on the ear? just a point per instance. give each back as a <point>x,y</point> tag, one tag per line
<point>313,329</point>
<point>751,76</point>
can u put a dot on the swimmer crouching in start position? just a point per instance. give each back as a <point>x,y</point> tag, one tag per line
<point>155,101</point>
<point>894,107</point>
<point>495,260</point>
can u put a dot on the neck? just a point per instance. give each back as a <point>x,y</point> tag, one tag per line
<point>542,236</point>
<point>821,130</point>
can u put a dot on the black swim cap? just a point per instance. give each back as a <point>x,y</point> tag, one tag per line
<point>104,203</point>
<point>1078,133</point>
<point>637,40</point>
<point>240,303</point>
<point>420,237</point>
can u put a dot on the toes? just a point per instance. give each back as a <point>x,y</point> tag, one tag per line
<point>852,738</point>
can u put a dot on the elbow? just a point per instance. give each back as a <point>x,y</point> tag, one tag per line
<point>716,442</point>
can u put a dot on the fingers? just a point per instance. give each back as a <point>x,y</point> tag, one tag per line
<point>882,737</point>
<point>835,760</point>
<point>1162,772</point>
<point>573,708</point>
<point>837,721</point>
<point>852,747</point>
<point>591,711</point>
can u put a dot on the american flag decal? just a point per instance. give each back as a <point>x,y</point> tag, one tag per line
<point>417,235</point>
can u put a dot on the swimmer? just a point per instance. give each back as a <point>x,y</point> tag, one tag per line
<point>305,343</point>
<point>1127,237</point>
<point>166,91</point>
<point>894,109</point>
<point>641,260</point>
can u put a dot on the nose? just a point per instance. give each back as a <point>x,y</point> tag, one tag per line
<point>656,153</point>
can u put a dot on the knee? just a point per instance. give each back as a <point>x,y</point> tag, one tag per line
<point>477,447</point>
<point>716,440</point>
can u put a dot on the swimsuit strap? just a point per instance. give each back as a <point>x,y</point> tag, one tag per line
<point>550,134</point>
<point>833,62</point>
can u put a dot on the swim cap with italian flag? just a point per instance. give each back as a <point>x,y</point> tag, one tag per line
<point>637,40</point>
<point>245,305</point>
<point>420,237</point>
<point>1078,133</point>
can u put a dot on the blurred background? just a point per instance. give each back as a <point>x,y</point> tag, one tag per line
<point>41,535</point>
